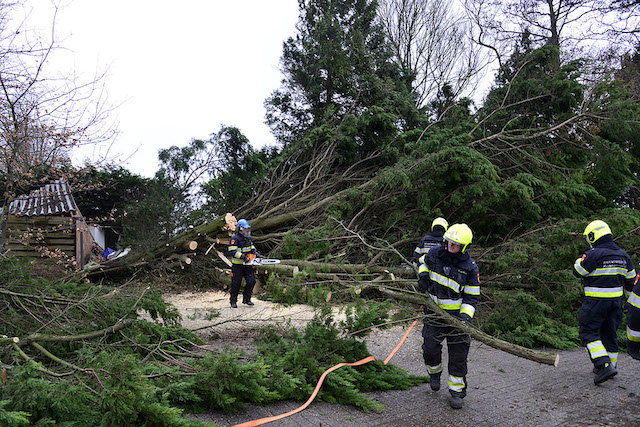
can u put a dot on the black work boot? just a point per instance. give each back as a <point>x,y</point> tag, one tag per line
<point>233,304</point>
<point>606,372</point>
<point>456,402</point>
<point>434,382</point>
<point>247,301</point>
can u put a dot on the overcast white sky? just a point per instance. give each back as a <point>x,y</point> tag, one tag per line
<point>182,69</point>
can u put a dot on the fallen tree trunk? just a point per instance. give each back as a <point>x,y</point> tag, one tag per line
<point>288,270</point>
<point>349,268</point>
<point>446,318</point>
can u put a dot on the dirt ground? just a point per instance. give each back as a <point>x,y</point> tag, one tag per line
<point>234,326</point>
<point>198,308</point>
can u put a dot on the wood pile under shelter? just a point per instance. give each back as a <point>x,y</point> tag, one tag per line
<point>46,223</point>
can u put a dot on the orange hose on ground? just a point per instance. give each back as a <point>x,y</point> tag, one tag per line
<point>321,380</point>
<point>308,402</point>
<point>404,337</point>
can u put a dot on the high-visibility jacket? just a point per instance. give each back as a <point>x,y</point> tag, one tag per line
<point>239,247</point>
<point>633,322</point>
<point>431,240</point>
<point>607,271</point>
<point>452,280</point>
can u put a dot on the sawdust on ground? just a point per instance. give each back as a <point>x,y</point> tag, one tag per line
<point>210,316</point>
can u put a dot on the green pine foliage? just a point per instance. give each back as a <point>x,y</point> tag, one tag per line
<point>303,289</point>
<point>543,312</point>
<point>123,397</point>
<point>12,418</point>
<point>122,383</point>
<point>521,319</point>
<point>301,245</point>
<point>113,389</point>
<point>228,384</point>
<point>338,63</point>
<point>305,356</point>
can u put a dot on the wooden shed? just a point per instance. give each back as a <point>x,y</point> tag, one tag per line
<point>46,221</point>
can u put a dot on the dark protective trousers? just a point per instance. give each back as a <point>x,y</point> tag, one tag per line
<point>457,345</point>
<point>238,271</point>
<point>598,320</point>
<point>633,349</point>
<point>633,322</point>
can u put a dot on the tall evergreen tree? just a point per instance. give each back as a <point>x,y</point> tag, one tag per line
<point>338,63</point>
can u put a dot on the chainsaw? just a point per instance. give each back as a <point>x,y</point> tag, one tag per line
<point>254,260</point>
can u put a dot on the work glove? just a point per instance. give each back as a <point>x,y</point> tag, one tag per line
<point>465,318</point>
<point>423,284</point>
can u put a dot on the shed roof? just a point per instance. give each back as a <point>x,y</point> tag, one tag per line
<point>52,199</point>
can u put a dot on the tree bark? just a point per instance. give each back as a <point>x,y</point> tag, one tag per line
<point>516,350</point>
<point>69,338</point>
<point>350,268</point>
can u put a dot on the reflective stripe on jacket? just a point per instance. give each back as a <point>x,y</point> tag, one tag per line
<point>633,316</point>
<point>452,280</point>
<point>606,270</point>
<point>429,241</point>
<point>239,247</point>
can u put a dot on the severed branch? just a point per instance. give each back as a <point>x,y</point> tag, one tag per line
<point>69,338</point>
<point>56,359</point>
<point>446,318</point>
<point>17,348</point>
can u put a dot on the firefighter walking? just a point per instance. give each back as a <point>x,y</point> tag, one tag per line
<point>451,278</point>
<point>606,272</point>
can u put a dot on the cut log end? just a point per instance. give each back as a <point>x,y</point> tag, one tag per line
<point>230,222</point>
<point>556,361</point>
<point>181,258</point>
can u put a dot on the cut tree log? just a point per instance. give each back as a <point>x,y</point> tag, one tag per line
<point>281,269</point>
<point>181,257</point>
<point>446,318</point>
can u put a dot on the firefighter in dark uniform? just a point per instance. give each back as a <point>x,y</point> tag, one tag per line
<point>431,240</point>
<point>451,278</point>
<point>606,271</point>
<point>241,252</point>
<point>633,321</point>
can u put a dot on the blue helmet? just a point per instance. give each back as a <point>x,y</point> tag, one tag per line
<point>243,223</point>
